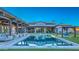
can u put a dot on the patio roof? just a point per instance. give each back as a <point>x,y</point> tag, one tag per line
<point>42,24</point>
<point>9,16</point>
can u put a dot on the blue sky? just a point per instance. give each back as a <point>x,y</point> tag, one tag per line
<point>66,15</point>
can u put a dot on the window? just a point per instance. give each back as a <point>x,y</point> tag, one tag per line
<point>1,13</point>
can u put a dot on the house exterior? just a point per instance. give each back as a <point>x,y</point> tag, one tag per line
<point>10,24</point>
<point>65,27</point>
<point>41,27</point>
<point>77,29</point>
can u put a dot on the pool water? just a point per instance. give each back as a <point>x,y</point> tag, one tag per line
<point>42,40</point>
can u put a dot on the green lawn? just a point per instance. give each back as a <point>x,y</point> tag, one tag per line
<point>76,40</point>
<point>71,38</point>
<point>39,49</point>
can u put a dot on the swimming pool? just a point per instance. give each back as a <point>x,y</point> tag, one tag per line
<point>42,40</point>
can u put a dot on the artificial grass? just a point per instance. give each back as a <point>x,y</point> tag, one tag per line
<point>39,49</point>
<point>73,39</point>
<point>70,37</point>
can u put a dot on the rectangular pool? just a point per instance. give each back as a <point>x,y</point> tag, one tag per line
<point>42,40</point>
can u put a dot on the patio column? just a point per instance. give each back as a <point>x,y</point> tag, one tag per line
<point>24,29</point>
<point>35,30</point>
<point>62,32</point>
<point>67,30</point>
<point>21,31</point>
<point>0,27</point>
<point>17,28</point>
<point>44,30</point>
<point>10,27</point>
<point>74,31</point>
<point>56,31</point>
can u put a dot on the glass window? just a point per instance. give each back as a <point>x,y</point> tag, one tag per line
<point>1,14</point>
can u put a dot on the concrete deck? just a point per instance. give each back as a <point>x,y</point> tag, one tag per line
<point>10,44</point>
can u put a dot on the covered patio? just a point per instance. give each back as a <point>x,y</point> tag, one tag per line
<point>41,27</point>
<point>66,32</point>
<point>10,26</point>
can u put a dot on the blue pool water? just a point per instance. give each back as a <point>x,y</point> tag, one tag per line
<point>42,40</point>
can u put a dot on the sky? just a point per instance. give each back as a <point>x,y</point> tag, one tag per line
<point>60,15</point>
